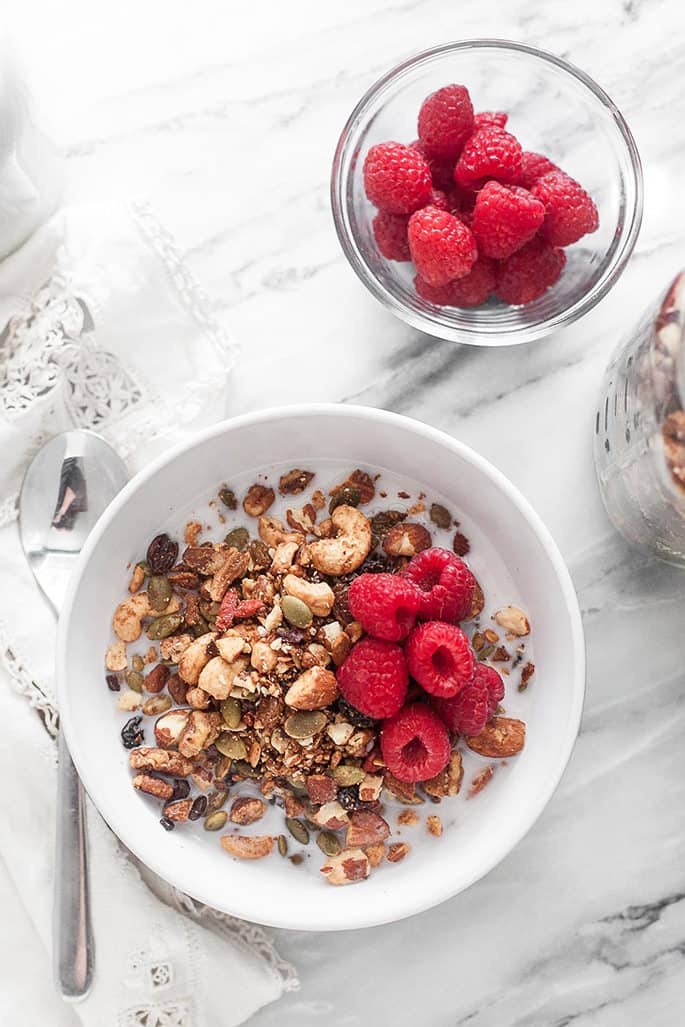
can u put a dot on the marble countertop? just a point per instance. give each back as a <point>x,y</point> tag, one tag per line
<point>227,119</point>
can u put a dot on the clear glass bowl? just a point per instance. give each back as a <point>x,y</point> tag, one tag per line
<point>553,109</point>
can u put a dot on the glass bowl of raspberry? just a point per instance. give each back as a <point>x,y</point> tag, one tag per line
<point>487,192</point>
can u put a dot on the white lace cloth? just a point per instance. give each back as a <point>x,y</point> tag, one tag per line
<point>105,329</point>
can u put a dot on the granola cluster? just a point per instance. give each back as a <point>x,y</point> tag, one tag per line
<point>240,682</point>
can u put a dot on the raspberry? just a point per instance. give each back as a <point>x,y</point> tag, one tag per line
<point>439,657</point>
<point>390,233</point>
<point>441,168</point>
<point>441,247</point>
<point>534,166</point>
<point>439,199</point>
<point>489,119</point>
<point>504,219</point>
<point>446,121</point>
<point>529,272</point>
<point>385,604</point>
<point>444,582</point>
<point>415,744</point>
<point>374,678</point>
<point>469,710</point>
<point>469,291</point>
<point>396,178</point>
<point>569,212</point>
<point>490,153</point>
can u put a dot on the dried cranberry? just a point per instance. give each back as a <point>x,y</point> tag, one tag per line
<point>113,682</point>
<point>199,808</point>
<point>181,789</point>
<point>132,734</point>
<point>167,824</point>
<point>162,554</point>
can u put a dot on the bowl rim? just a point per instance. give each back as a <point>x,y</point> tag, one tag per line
<point>443,887</point>
<point>481,335</point>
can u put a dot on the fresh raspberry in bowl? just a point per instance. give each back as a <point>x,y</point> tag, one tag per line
<point>440,658</point>
<point>499,171</point>
<point>386,605</point>
<point>444,583</point>
<point>374,678</point>
<point>415,744</point>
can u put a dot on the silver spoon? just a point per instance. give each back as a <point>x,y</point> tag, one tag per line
<point>67,486</point>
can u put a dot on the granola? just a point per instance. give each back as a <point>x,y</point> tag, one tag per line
<point>240,686</point>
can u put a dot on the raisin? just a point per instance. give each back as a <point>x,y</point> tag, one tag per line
<point>181,789</point>
<point>162,554</point>
<point>132,734</point>
<point>341,606</point>
<point>353,716</point>
<point>199,808</point>
<point>113,682</point>
<point>167,824</point>
<point>348,797</point>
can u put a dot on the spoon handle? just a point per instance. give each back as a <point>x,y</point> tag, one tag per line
<point>72,931</point>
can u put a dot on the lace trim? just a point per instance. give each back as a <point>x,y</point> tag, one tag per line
<point>25,684</point>
<point>186,285</point>
<point>252,938</point>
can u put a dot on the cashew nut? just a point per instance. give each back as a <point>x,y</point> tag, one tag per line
<point>217,676</point>
<point>115,658</point>
<point>272,531</point>
<point>318,597</point>
<point>128,616</point>
<point>194,658</point>
<point>230,647</point>
<point>348,550</point>
<point>283,557</point>
<point>264,658</point>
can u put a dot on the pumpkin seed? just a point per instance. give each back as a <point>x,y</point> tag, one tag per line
<point>145,567</point>
<point>134,680</point>
<point>227,497</point>
<point>138,663</point>
<point>159,592</point>
<point>345,497</point>
<point>156,705</point>
<point>229,745</point>
<point>215,821</point>
<point>345,775</point>
<point>215,800</point>
<point>382,522</point>
<point>164,626</point>
<point>238,538</point>
<point>231,711</point>
<point>328,843</point>
<point>296,612</point>
<point>282,845</point>
<point>440,515</point>
<point>297,830</point>
<point>245,770</point>
<point>304,723</point>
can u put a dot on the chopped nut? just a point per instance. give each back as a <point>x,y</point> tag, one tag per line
<point>408,817</point>
<point>318,500</point>
<point>370,787</point>
<point>161,761</point>
<point>321,788</point>
<point>291,804</point>
<point>366,828</point>
<point>403,791</point>
<point>348,550</point>
<point>397,851</point>
<point>354,631</point>
<point>169,727</point>
<point>407,539</point>
<point>247,810</point>
<point>115,658</point>
<point>491,635</point>
<point>153,786</point>
<point>137,579</point>
<point>434,825</point>
<point>273,533</point>
<point>477,603</point>
<point>376,853</point>
<point>244,847</point>
<point>526,674</point>
<point>340,733</point>
<point>191,533</point>
<point>318,596</point>
<point>294,482</point>
<point>480,780</point>
<point>359,743</point>
<point>258,500</point>
<point>283,557</point>
<point>332,816</point>
<point>500,738</point>
<point>348,866</point>
<point>156,679</point>
<point>197,698</point>
<point>200,731</point>
<point>460,544</point>
<point>178,811</point>
<point>448,781</point>
<point>312,690</point>
<point>233,567</point>
<point>129,701</point>
<point>362,482</point>
<point>195,657</point>
<point>514,620</point>
<point>500,655</point>
<point>263,658</point>
<point>302,518</point>
<point>173,647</point>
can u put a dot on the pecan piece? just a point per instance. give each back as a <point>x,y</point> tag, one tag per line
<point>258,500</point>
<point>362,482</point>
<point>407,539</point>
<point>234,566</point>
<point>294,482</point>
<point>178,811</point>
<point>397,851</point>
<point>161,761</point>
<point>153,786</point>
<point>480,780</point>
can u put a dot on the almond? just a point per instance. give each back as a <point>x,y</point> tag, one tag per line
<point>513,620</point>
<point>312,690</point>
<point>366,828</point>
<point>247,810</point>
<point>347,867</point>
<point>502,737</point>
<point>407,540</point>
<point>253,847</point>
<point>178,810</point>
<point>169,726</point>
<point>332,816</point>
<point>157,678</point>
<point>321,788</point>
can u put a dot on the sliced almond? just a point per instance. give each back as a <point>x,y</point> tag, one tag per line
<point>348,866</point>
<point>366,828</point>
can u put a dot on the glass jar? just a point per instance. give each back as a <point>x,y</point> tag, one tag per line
<point>640,431</point>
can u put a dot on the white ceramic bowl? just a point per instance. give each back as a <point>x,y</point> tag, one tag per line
<point>485,829</point>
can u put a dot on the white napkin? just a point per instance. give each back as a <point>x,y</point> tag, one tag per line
<point>105,329</point>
